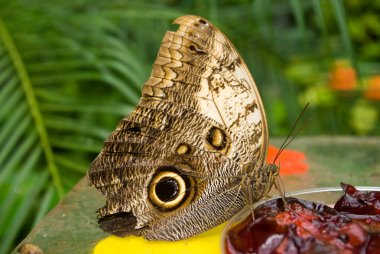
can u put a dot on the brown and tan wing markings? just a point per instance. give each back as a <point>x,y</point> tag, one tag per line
<point>119,145</point>
<point>225,69</point>
<point>199,93</point>
<point>207,74</point>
<point>174,98</point>
<point>223,50</point>
<point>193,121</point>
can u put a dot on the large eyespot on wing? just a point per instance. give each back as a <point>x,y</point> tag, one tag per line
<point>169,189</point>
<point>216,200</point>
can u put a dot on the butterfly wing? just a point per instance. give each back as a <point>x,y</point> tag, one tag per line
<point>172,167</point>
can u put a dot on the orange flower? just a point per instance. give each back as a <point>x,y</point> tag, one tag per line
<point>290,161</point>
<point>373,90</point>
<point>343,77</point>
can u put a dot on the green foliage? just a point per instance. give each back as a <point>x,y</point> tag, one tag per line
<point>69,71</point>
<point>67,75</point>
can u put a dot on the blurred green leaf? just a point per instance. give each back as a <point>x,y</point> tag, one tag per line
<point>48,116</point>
<point>363,117</point>
<point>318,95</point>
<point>303,73</point>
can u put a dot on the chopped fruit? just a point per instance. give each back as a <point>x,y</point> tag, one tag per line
<point>301,226</point>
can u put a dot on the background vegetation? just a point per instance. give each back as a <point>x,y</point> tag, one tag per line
<point>69,70</point>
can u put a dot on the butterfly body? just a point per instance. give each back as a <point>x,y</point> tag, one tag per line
<point>185,158</point>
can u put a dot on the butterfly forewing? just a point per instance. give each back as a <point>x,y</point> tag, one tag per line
<point>173,166</point>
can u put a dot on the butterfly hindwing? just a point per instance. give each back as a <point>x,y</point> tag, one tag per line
<point>173,166</point>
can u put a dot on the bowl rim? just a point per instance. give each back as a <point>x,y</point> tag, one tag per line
<point>309,191</point>
<point>329,189</point>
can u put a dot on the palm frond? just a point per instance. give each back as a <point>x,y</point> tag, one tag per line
<point>45,119</point>
<point>30,99</point>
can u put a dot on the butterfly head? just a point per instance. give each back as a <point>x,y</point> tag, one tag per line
<point>259,180</point>
<point>272,172</point>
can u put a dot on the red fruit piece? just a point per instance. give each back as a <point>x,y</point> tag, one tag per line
<point>359,202</point>
<point>363,206</point>
<point>299,227</point>
<point>373,246</point>
<point>303,227</point>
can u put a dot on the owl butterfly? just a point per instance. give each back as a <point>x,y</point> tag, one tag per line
<point>192,153</point>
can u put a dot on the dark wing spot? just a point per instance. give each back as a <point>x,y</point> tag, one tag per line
<point>231,67</point>
<point>119,224</point>
<point>167,189</point>
<point>251,107</point>
<point>203,21</point>
<point>196,50</point>
<point>136,129</point>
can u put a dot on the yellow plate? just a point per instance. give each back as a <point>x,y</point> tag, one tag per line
<point>207,242</point>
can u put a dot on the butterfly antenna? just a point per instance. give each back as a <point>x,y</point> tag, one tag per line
<point>290,137</point>
<point>289,142</point>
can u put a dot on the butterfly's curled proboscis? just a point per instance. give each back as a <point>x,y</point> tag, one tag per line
<point>192,153</point>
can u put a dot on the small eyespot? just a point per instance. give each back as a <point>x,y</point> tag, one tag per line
<point>183,149</point>
<point>202,21</point>
<point>217,138</point>
<point>169,189</point>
